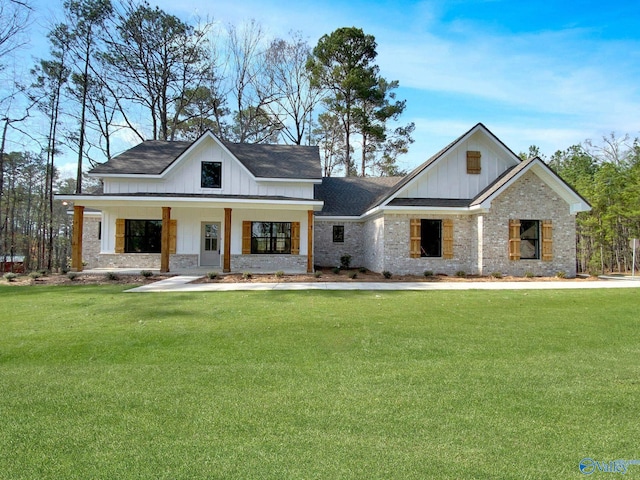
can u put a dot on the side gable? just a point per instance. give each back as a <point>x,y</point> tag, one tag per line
<point>538,167</point>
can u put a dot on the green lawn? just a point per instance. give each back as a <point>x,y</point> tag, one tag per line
<point>96,383</point>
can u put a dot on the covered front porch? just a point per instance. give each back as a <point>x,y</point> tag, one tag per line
<point>196,235</point>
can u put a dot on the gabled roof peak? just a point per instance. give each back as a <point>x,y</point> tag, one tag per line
<point>155,157</point>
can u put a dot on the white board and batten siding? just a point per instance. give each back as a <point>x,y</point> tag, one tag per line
<point>448,177</point>
<point>184,177</point>
<point>189,220</point>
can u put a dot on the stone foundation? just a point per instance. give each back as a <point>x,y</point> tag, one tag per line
<point>269,263</point>
<point>144,261</point>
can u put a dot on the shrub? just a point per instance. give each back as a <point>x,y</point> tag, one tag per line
<point>279,274</point>
<point>345,261</point>
<point>146,273</point>
<point>212,275</point>
<point>336,270</point>
<point>317,274</point>
<point>428,273</point>
<point>387,274</point>
<point>10,276</point>
<point>35,275</point>
<point>72,276</point>
<point>111,276</point>
<point>353,275</point>
<point>246,275</point>
<point>43,273</point>
<point>561,274</point>
<point>461,273</point>
<point>528,274</point>
<point>362,270</point>
<point>496,274</point>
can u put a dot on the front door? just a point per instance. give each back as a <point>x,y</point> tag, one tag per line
<point>210,244</point>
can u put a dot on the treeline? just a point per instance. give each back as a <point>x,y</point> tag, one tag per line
<point>123,71</point>
<point>607,175</point>
<point>128,70</point>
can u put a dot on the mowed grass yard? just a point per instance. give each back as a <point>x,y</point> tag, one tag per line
<point>100,384</point>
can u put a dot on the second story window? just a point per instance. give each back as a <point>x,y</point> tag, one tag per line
<point>211,175</point>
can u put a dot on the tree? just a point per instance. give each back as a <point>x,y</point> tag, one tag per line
<point>262,127</point>
<point>396,144</point>
<point>84,19</point>
<point>342,65</point>
<point>534,151</point>
<point>14,21</point>
<point>50,78</point>
<point>329,137</point>
<point>155,60</point>
<point>202,111</point>
<point>372,119</point>
<point>285,81</point>
<point>251,122</point>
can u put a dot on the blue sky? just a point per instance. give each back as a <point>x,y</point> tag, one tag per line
<point>546,73</point>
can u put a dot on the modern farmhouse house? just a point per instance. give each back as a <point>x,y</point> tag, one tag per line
<point>472,207</point>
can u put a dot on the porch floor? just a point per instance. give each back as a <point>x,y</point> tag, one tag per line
<point>199,271</point>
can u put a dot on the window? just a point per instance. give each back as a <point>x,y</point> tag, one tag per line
<point>142,236</point>
<point>270,237</point>
<point>473,162</point>
<point>529,239</point>
<point>338,234</point>
<point>431,238</point>
<point>211,176</point>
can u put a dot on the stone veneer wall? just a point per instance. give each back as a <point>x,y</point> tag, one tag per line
<point>90,241</point>
<point>529,198</point>
<point>269,263</point>
<point>144,261</point>
<point>373,238</point>
<point>327,253</point>
<point>396,248</point>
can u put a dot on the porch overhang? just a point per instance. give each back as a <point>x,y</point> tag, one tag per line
<point>193,200</point>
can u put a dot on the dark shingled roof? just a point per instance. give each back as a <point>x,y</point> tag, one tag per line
<point>352,196</point>
<point>150,157</point>
<point>429,202</point>
<point>153,157</point>
<point>278,161</point>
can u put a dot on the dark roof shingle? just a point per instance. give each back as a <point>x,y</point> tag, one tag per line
<point>150,157</point>
<point>352,196</point>
<point>153,157</point>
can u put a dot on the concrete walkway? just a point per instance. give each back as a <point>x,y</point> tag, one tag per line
<point>182,283</point>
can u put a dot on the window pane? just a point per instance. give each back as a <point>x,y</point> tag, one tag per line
<point>431,238</point>
<point>143,236</point>
<point>271,237</point>
<point>338,233</point>
<point>211,175</point>
<point>529,239</point>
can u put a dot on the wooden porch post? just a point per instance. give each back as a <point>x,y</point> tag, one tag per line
<point>76,238</point>
<point>310,241</point>
<point>226,267</point>
<point>166,235</point>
